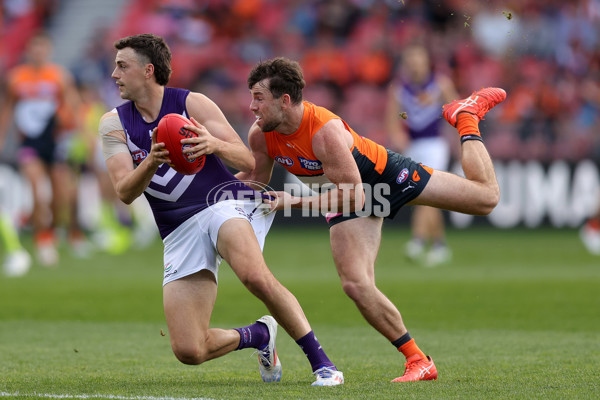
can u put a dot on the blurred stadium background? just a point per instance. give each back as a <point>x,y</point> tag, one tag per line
<point>544,139</point>
<point>515,315</point>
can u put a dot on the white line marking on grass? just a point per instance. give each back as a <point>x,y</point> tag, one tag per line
<point>95,396</point>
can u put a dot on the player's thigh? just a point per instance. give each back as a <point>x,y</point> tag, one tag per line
<point>354,245</point>
<point>448,191</point>
<point>188,303</point>
<point>238,245</point>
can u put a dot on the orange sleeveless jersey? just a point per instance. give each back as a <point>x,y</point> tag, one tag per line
<point>29,83</point>
<point>39,94</point>
<point>295,153</point>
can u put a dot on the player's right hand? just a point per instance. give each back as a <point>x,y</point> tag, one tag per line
<point>158,153</point>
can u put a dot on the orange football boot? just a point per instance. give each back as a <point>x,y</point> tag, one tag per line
<point>478,103</point>
<point>418,369</point>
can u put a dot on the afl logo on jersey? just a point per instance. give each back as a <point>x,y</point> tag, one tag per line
<point>402,176</point>
<point>139,156</point>
<point>285,161</point>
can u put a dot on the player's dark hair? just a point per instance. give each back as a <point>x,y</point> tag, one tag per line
<point>284,75</point>
<point>151,49</point>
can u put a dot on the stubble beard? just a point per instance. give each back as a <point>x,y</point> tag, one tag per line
<point>271,126</point>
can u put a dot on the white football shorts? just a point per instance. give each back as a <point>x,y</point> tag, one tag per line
<point>433,152</point>
<point>193,245</point>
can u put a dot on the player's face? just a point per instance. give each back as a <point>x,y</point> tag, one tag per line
<point>129,73</point>
<point>268,111</point>
<point>39,50</point>
<point>416,64</point>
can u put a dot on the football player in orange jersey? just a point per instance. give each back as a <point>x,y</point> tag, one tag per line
<point>364,183</point>
<point>38,92</point>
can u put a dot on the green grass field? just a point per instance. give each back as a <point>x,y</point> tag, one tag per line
<point>516,315</point>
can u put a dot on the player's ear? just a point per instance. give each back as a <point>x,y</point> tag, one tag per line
<point>149,70</point>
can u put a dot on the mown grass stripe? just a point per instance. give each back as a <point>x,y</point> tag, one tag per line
<point>95,396</point>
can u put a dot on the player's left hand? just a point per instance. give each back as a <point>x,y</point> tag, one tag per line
<point>204,143</point>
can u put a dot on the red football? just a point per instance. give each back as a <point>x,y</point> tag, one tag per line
<point>170,132</point>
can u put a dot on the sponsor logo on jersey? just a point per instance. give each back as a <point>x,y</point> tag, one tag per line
<point>311,165</point>
<point>171,273</point>
<point>285,161</point>
<point>243,212</point>
<point>409,186</point>
<point>169,270</point>
<point>402,175</point>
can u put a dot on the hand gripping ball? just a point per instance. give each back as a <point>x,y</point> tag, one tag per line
<point>170,132</point>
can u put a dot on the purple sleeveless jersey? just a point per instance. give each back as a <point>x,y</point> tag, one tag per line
<point>174,197</point>
<point>423,104</point>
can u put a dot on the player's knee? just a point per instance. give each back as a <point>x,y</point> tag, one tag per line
<point>189,354</point>
<point>356,289</point>
<point>259,284</point>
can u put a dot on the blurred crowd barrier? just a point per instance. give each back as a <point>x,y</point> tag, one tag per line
<point>558,194</point>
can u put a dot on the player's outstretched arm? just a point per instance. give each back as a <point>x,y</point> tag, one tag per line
<point>215,134</point>
<point>331,145</point>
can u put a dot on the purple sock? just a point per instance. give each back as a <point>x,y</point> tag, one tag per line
<point>315,354</point>
<point>255,336</point>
